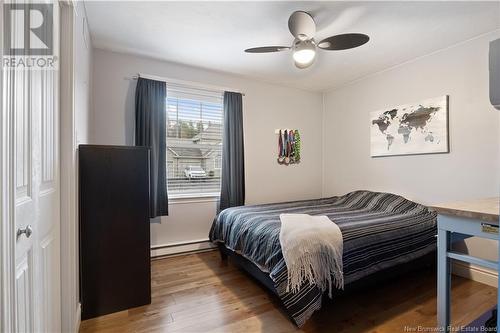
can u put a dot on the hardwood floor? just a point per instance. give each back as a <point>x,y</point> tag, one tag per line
<point>199,293</point>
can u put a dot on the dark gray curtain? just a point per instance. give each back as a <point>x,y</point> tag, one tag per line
<point>150,131</point>
<point>233,169</point>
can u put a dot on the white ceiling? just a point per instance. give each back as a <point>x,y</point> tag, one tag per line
<point>213,35</point>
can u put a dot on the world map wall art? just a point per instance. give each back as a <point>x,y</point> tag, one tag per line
<point>420,128</point>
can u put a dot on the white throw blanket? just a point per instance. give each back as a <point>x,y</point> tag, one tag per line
<point>312,247</point>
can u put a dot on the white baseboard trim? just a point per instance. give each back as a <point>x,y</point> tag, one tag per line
<point>180,248</point>
<point>78,318</point>
<point>475,273</point>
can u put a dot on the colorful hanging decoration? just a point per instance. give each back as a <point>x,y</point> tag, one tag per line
<point>288,146</point>
<point>281,155</point>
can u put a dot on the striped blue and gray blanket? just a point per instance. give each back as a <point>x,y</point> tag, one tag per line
<point>380,230</point>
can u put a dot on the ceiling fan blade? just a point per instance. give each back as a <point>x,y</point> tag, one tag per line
<point>267,49</point>
<point>343,42</point>
<point>301,25</point>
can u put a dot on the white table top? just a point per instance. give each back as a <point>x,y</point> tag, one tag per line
<point>486,209</point>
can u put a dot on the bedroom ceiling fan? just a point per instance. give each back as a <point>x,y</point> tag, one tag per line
<point>302,26</point>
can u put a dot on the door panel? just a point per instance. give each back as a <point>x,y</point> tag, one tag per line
<point>24,293</point>
<point>49,258</point>
<point>23,136</point>
<point>49,123</point>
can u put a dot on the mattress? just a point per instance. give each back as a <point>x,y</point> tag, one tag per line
<point>380,230</point>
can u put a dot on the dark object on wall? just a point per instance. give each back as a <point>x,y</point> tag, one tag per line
<point>233,165</point>
<point>115,266</point>
<point>150,131</point>
<point>495,73</point>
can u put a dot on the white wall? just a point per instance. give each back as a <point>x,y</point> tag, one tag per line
<point>470,170</point>
<point>265,107</point>
<point>82,75</point>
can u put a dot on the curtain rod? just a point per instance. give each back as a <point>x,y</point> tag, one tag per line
<point>186,83</point>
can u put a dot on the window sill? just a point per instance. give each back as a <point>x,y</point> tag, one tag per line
<point>202,197</point>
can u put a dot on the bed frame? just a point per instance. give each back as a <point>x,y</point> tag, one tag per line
<point>426,261</point>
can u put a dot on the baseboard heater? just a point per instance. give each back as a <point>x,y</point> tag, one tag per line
<point>181,248</point>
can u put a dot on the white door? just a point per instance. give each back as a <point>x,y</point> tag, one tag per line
<point>33,98</point>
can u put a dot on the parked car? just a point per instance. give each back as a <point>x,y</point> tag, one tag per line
<point>194,172</point>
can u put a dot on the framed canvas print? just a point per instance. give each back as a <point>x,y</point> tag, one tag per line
<point>419,128</point>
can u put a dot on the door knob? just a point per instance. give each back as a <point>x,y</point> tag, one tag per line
<point>27,231</point>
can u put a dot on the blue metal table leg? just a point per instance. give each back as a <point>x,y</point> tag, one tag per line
<point>444,280</point>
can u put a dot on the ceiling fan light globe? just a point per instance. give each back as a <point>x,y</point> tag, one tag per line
<point>304,56</point>
<point>303,66</point>
<point>304,52</point>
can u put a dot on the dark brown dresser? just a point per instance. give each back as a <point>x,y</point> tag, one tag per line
<point>115,266</point>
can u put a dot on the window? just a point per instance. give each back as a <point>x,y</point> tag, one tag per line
<point>194,141</point>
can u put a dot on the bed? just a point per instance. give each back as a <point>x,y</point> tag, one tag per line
<point>380,231</point>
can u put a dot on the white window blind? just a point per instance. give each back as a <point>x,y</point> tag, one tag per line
<point>194,141</point>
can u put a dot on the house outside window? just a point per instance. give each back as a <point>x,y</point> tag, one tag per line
<point>194,141</point>
<point>218,162</point>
